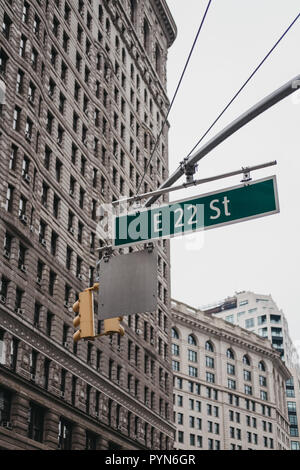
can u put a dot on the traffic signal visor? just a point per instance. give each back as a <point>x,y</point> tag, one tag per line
<point>85,318</point>
<point>112,325</point>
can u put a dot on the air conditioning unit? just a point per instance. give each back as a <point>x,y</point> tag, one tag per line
<point>19,311</point>
<point>119,427</point>
<point>119,348</point>
<point>62,394</point>
<point>80,277</point>
<point>43,242</point>
<point>32,377</point>
<point>28,136</point>
<point>24,219</point>
<point>2,299</point>
<point>27,177</point>
<point>36,324</point>
<point>6,424</point>
<point>31,228</point>
<point>138,332</point>
<point>97,415</point>
<point>66,304</point>
<point>50,94</point>
<point>71,193</point>
<point>6,254</point>
<point>23,268</point>
<point>39,281</point>
<point>152,341</point>
<point>66,345</point>
<point>147,403</point>
<point>30,98</point>
<point>84,142</point>
<point>59,141</point>
<point>71,230</point>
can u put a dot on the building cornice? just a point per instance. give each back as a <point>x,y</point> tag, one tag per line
<point>166,20</point>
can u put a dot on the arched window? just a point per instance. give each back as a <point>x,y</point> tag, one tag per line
<point>157,59</point>
<point>133,11</point>
<point>174,333</point>
<point>107,27</point>
<point>246,360</point>
<point>261,366</point>
<point>146,31</point>
<point>209,346</point>
<point>100,14</point>
<point>117,43</point>
<point>230,354</point>
<point>192,340</point>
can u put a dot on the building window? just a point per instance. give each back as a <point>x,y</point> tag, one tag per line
<point>250,323</point>
<point>262,366</point>
<point>192,355</point>
<point>5,401</point>
<point>192,340</point>
<point>90,441</point>
<point>36,423</point>
<point>174,333</point>
<point>64,434</point>
<point>231,384</point>
<point>210,377</point>
<point>247,375</point>
<point>175,349</point>
<point>263,395</point>
<point>175,366</point>
<point>246,360</point>
<point>193,371</point>
<point>17,118</point>
<point>146,35</point>
<point>209,346</point>
<point>262,381</point>
<point>209,362</point>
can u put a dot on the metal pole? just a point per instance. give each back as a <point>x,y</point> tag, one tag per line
<point>237,124</point>
<point>159,192</point>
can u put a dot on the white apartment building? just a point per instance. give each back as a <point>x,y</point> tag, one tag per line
<point>229,386</point>
<point>259,314</point>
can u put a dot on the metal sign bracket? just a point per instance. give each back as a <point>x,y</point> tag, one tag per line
<point>246,176</point>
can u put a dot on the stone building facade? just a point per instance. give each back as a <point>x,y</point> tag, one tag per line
<point>229,386</point>
<point>85,100</point>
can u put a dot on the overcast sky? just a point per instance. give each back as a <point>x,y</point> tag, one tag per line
<point>261,255</point>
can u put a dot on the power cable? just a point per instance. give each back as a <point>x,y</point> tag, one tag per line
<point>243,86</point>
<point>175,94</point>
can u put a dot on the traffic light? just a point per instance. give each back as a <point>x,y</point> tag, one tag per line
<point>112,325</point>
<point>85,320</point>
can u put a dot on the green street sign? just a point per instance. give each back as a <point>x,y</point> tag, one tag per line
<point>235,204</point>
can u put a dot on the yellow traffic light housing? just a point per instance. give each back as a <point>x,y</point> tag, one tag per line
<point>112,325</point>
<point>85,318</point>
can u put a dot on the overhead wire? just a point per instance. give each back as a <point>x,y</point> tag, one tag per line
<point>175,94</point>
<point>243,86</point>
